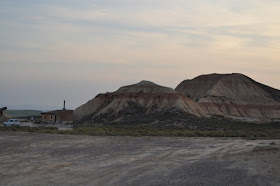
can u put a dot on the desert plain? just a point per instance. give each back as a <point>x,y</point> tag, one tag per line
<point>54,159</point>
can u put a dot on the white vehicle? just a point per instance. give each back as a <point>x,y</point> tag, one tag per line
<point>12,122</point>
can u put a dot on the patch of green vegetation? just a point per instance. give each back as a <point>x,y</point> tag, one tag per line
<point>22,113</point>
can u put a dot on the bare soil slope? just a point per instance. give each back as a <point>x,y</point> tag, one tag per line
<point>233,95</point>
<point>136,100</point>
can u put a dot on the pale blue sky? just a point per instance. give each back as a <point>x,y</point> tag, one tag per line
<point>69,49</point>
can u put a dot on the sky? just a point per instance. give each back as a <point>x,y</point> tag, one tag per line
<point>55,50</point>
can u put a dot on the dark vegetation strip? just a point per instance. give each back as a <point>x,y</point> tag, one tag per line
<point>258,131</point>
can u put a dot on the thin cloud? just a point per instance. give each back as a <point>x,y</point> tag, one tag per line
<point>113,42</point>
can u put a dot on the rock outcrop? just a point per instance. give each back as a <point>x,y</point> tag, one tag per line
<point>233,95</point>
<point>137,100</point>
<point>3,116</point>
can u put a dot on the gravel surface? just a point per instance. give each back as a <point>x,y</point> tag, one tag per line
<point>49,159</point>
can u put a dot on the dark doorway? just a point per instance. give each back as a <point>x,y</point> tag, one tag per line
<point>55,119</point>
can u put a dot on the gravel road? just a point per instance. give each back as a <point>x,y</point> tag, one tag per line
<point>49,159</point>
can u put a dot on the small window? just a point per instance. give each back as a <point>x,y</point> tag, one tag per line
<point>45,117</point>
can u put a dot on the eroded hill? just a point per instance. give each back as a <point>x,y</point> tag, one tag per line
<point>233,96</point>
<point>137,100</point>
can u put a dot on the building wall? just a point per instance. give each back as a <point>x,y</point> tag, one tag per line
<point>62,116</point>
<point>49,118</point>
<point>65,116</point>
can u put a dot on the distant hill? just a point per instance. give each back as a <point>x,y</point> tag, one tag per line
<point>30,107</point>
<point>22,113</point>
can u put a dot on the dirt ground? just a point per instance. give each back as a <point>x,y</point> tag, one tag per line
<point>48,159</point>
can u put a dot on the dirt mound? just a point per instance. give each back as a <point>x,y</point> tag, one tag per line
<point>233,95</point>
<point>137,100</point>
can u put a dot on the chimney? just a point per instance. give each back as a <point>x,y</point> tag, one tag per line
<point>64,105</point>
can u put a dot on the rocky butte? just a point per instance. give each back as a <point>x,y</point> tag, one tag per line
<point>233,96</point>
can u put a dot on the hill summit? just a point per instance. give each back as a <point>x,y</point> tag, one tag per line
<point>145,87</point>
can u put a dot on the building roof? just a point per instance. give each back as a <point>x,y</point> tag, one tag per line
<point>55,111</point>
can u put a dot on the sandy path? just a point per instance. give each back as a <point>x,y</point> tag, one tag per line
<point>32,159</point>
